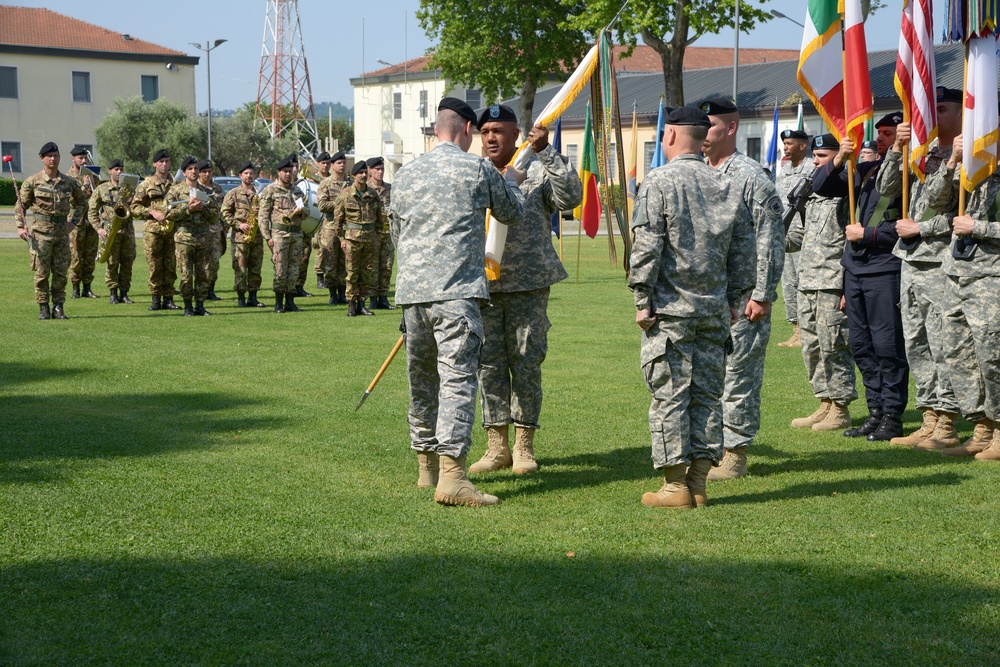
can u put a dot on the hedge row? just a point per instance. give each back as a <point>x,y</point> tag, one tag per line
<point>7,195</point>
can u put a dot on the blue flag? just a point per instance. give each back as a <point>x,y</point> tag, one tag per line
<point>772,149</point>
<point>557,145</point>
<point>658,158</point>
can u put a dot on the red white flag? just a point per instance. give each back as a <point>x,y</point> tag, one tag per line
<point>915,81</point>
<point>981,118</point>
<point>857,85</point>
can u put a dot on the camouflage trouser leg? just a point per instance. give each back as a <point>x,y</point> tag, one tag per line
<point>362,272</point>
<point>977,299</point>
<point>307,244</point>
<point>333,258</point>
<point>320,262</point>
<point>162,263</point>
<point>340,262</point>
<point>50,261</point>
<point>118,274</point>
<point>684,363</point>
<point>248,258</point>
<point>386,257</point>
<point>287,256</point>
<point>921,295</point>
<point>515,330</point>
<point>216,254</point>
<point>825,348</point>
<point>961,364</point>
<point>790,286</point>
<point>83,246</point>
<point>443,340</point>
<point>744,378</point>
<point>194,259</point>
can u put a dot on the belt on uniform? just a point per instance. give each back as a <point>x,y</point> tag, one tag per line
<point>50,218</point>
<point>368,226</point>
<point>291,229</point>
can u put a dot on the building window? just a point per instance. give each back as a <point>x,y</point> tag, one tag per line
<point>13,149</point>
<point>150,88</point>
<point>573,155</point>
<point>423,104</point>
<point>8,82</point>
<point>397,106</point>
<point>473,98</point>
<point>753,148</point>
<point>648,151</point>
<point>81,86</point>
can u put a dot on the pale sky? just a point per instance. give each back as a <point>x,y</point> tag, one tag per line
<point>332,34</point>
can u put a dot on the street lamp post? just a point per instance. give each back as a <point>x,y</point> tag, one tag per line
<point>208,64</point>
<point>778,15</point>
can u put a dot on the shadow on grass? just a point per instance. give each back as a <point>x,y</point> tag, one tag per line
<point>491,610</point>
<point>14,373</point>
<point>591,469</point>
<point>767,460</point>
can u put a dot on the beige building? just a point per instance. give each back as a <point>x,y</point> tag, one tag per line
<point>59,77</point>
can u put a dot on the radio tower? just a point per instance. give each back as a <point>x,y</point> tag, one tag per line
<point>284,95</point>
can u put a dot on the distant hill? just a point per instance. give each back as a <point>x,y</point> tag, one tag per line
<point>322,111</point>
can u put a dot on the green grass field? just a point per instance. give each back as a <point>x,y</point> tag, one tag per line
<point>200,491</point>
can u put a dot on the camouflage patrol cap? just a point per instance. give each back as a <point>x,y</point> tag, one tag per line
<point>189,161</point>
<point>795,134</point>
<point>78,150</point>
<point>890,119</point>
<point>688,116</point>
<point>323,157</point>
<point>717,106</point>
<point>204,164</point>
<point>358,168</point>
<point>459,107</point>
<point>248,165</point>
<point>496,113</point>
<point>161,154</point>
<point>115,163</point>
<point>827,141</point>
<point>949,95</point>
<point>376,161</point>
<point>338,156</point>
<point>48,147</point>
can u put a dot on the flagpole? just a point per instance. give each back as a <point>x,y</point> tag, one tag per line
<point>579,242</point>
<point>560,237</point>
<point>851,163</point>
<point>963,175</point>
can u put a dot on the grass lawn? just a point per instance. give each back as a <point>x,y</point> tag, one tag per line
<point>200,491</point>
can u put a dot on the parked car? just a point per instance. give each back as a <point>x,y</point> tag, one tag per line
<point>261,183</point>
<point>227,183</point>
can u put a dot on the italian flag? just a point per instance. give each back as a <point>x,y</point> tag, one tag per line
<point>821,63</point>
<point>589,211</point>
<point>857,87</point>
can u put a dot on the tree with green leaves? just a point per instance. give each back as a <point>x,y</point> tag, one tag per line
<point>136,129</point>
<point>237,139</point>
<point>504,48</point>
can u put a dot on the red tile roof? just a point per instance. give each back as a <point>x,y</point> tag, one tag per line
<point>44,28</point>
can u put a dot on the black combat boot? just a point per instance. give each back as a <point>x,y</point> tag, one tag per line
<point>113,299</point>
<point>89,293</point>
<point>241,299</point>
<point>58,313</point>
<point>279,302</point>
<point>373,303</point>
<point>157,303</point>
<point>352,309</point>
<point>891,426</point>
<point>868,426</point>
<point>252,302</point>
<point>290,306</point>
<point>123,297</point>
<point>188,308</point>
<point>361,310</point>
<point>43,311</point>
<point>320,282</point>
<point>342,294</point>
<point>199,308</point>
<point>301,292</point>
<point>168,303</point>
<point>75,294</point>
<point>211,293</point>
<point>384,303</point>
<point>333,296</point>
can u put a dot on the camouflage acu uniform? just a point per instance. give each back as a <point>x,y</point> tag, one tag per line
<point>194,240</point>
<point>692,260</point>
<point>159,246</point>
<point>788,178</point>
<point>51,201</point>
<point>516,324</point>
<point>277,224</point>
<point>118,274</point>
<point>83,238</point>
<point>386,251</point>
<point>438,224</point>
<point>247,257</point>
<point>819,243</point>
<point>218,231</point>
<point>334,262</point>
<point>923,284</point>
<point>745,365</point>
<point>359,219</point>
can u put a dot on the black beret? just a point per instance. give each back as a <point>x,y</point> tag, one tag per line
<point>870,143</point>
<point>827,141</point>
<point>78,150</point>
<point>688,116</point>
<point>497,113</point>
<point>795,134</point>
<point>359,167</point>
<point>49,147</point>
<point>890,119</point>
<point>204,164</point>
<point>717,106</point>
<point>284,164</point>
<point>161,154</point>
<point>949,95</point>
<point>116,163</point>
<point>248,165</point>
<point>293,157</point>
<point>336,157</point>
<point>323,157</point>
<point>459,107</point>
<point>376,161</point>
<point>189,161</point>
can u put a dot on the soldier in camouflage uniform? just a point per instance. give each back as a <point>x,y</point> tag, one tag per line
<point>218,228</point>
<point>692,266</point>
<point>330,248</point>
<point>923,243</point>
<point>438,224</point>
<point>745,365</point>
<point>819,243</point>
<point>279,216</point>
<point>118,275</point>
<point>194,239</point>
<point>798,167</point>
<point>51,196</point>
<point>359,218</point>
<point>516,323</point>
<point>323,165</point>
<point>386,251</point>
<point>247,257</point>
<point>149,205</point>
<point>83,240</point>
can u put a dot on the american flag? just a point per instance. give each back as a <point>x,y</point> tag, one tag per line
<point>915,80</point>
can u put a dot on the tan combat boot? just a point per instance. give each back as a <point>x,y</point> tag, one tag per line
<point>497,456</point>
<point>944,434</point>
<point>980,440</point>
<point>697,478</point>
<point>732,465</point>
<point>427,465</point>
<point>674,493</point>
<point>795,340</point>
<point>836,419</point>
<point>454,488</point>
<point>814,418</point>
<point>524,451</point>
<point>921,434</point>
<point>991,453</point>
